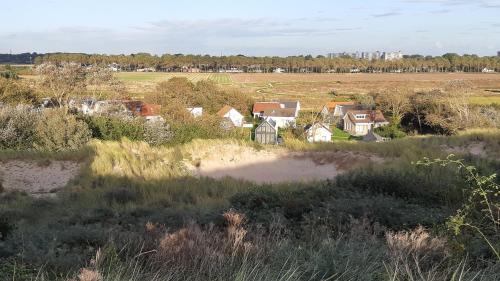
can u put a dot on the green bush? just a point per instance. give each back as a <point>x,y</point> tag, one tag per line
<point>9,74</point>
<point>207,127</point>
<point>58,130</point>
<point>393,132</point>
<point>115,128</point>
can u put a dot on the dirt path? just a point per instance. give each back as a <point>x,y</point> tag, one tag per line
<point>37,178</point>
<point>275,166</point>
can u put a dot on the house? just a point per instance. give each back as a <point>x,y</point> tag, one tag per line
<point>267,132</point>
<point>282,117</point>
<point>150,112</point>
<point>260,107</point>
<point>336,110</point>
<point>283,113</point>
<point>104,107</point>
<point>231,114</point>
<point>195,111</point>
<point>360,122</point>
<point>318,132</point>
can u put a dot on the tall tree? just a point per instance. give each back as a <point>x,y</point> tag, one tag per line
<point>60,81</point>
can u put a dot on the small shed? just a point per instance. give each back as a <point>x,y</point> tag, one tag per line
<point>318,132</point>
<point>267,132</point>
<point>196,112</point>
<point>232,115</point>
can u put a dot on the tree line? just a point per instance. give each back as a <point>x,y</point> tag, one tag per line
<point>293,64</point>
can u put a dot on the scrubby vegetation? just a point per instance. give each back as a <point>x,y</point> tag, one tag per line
<point>134,214</point>
<point>21,128</point>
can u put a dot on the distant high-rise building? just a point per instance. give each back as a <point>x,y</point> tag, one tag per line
<point>498,54</point>
<point>368,55</point>
<point>392,56</point>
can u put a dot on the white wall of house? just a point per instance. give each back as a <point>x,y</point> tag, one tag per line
<point>325,111</point>
<point>340,111</point>
<point>283,122</point>
<point>235,117</point>
<point>195,111</point>
<point>360,129</point>
<point>319,134</point>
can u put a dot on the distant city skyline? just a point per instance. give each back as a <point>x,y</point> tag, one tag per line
<point>256,28</point>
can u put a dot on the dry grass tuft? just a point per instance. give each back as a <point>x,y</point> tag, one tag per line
<point>89,275</point>
<point>415,255</point>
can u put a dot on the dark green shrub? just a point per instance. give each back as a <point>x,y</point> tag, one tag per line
<point>6,227</point>
<point>9,74</point>
<point>392,132</point>
<point>121,196</point>
<point>115,128</point>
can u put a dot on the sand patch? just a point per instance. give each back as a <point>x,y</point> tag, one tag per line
<point>476,149</point>
<point>37,178</point>
<point>275,166</point>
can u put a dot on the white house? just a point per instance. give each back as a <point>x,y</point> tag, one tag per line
<point>318,132</point>
<point>231,114</point>
<point>195,111</point>
<point>360,122</point>
<point>284,114</point>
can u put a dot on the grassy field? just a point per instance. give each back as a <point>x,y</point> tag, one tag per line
<point>314,90</point>
<point>486,100</point>
<point>219,78</point>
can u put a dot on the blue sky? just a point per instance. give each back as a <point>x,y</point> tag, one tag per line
<point>255,27</point>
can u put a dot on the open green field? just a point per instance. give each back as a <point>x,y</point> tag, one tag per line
<point>219,78</point>
<point>486,100</point>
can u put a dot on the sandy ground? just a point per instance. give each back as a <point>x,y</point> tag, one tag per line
<point>37,178</point>
<point>477,149</point>
<point>275,166</point>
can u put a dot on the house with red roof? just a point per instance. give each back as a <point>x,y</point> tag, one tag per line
<point>284,114</point>
<point>150,112</point>
<point>336,110</point>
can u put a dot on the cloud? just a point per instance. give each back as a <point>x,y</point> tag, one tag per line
<point>486,4</point>
<point>388,14</point>
<point>258,27</point>
<point>442,11</point>
<point>212,36</point>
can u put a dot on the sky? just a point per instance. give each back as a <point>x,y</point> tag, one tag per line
<point>254,28</point>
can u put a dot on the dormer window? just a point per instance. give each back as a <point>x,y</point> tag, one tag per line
<point>360,116</point>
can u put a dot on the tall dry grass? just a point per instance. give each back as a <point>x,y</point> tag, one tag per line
<point>234,253</point>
